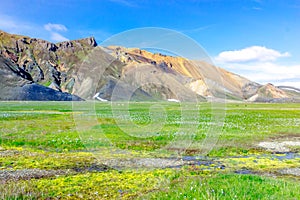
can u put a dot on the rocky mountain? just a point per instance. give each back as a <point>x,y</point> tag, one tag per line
<point>34,69</point>
<point>18,84</point>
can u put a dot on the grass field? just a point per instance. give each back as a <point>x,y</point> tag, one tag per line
<point>58,150</point>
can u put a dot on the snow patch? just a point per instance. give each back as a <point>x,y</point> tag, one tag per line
<point>96,96</point>
<point>174,100</point>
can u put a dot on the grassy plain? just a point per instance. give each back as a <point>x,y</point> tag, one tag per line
<point>71,155</point>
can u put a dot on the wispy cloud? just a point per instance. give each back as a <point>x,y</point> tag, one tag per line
<point>127,3</point>
<point>12,25</point>
<point>261,65</point>
<point>266,72</point>
<point>257,5</point>
<point>58,37</point>
<point>256,8</point>
<point>53,32</point>
<point>197,29</point>
<point>250,54</point>
<point>55,27</point>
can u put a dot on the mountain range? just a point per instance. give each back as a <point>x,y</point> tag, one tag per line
<point>35,69</point>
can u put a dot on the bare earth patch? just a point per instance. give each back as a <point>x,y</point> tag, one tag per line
<point>280,146</point>
<point>26,174</point>
<point>148,163</point>
<point>291,171</point>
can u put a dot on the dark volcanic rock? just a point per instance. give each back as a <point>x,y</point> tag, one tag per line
<point>74,44</point>
<point>17,84</point>
<point>35,92</point>
<point>11,75</point>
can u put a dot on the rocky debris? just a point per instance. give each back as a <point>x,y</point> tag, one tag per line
<point>11,152</point>
<point>27,174</point>
<point>144,163</point>
<point>35,173</point>
<point>290,171</point>
<point>92,168</point>
<point>160,163</point>
<point>279,146</point>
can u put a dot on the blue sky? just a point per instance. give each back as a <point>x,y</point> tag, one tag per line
<point>258,39</point>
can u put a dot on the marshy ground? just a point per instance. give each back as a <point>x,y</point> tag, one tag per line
<point>46,154</point>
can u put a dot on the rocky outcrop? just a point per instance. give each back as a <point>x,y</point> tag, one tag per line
<point>75,44</point>
<point>48,64</point>
<point>17,84</point>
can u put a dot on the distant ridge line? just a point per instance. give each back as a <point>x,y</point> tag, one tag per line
<point>289,87</point>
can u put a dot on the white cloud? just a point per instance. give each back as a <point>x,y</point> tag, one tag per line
<point>7,23</point>
<point>56,37</point>
<point>261,65</point>
<point>18,26</point>
<point>250,54</point>
<point>266,72</point>
<point>55,27</point>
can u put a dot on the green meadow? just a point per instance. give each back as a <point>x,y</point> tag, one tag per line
<point>150,150</point>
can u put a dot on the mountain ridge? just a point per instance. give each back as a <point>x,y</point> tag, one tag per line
<point>60,67</point>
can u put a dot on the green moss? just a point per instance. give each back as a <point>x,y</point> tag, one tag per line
<point>107,185</point>
<point>18,158</point>
<point>47,84</point>
<point>260,163</point>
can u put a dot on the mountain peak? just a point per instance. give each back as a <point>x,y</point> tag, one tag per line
<point>90,41</point>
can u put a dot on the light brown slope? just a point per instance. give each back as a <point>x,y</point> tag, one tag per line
<point>201,77</point>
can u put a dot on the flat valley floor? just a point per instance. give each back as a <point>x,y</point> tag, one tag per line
<point>149,150</point>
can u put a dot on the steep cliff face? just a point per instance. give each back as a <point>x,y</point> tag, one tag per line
<point>48,64</point>
<point>17,84</point>
<point>82,68</point>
